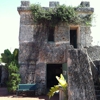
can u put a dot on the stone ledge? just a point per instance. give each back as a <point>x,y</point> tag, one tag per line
<point>53,3</point>
<point>25,3</point>
<point>85,4</point>
<point>85,9</point>
<point>79,9</point>
<point>24,8</point>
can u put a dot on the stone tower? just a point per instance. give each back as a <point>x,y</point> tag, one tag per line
<point>39,56</point>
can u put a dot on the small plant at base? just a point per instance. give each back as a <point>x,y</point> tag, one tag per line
<point>62,85</point>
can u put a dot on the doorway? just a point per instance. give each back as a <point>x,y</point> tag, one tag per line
<point>73,37</point>
<point>53,70</point>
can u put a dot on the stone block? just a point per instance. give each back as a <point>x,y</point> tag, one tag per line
<point>94,52</point>
<point>28,53</point>
<point>35,51</point>
<point>80,80</point>
<point>85,4</point>
<point>53,3</point>
<point>26,18</point>
<point>62,33</point>
<point>25,3</point>
<point>85,10</point>
<point>41,78</point>
<point>26,33</point>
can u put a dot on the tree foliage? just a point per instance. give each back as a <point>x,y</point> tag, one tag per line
<point>14,77</point>
<point>6,56</point>
<point>11,64</point>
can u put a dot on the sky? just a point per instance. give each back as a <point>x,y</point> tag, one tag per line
<point>10,21</point>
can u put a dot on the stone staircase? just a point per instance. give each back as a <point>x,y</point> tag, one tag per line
<point>97,91</point>
<point>3,91</point>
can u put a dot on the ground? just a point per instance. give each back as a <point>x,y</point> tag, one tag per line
<point>4,95</point>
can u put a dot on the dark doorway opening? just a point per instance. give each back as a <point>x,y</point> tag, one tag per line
<point>53,70</point>
<point>73,38</point>
<point>51,34</point>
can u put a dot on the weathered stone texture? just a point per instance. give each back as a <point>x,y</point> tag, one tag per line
<point>85,10</point>
<point>34,73</point>
<point>41,78</point>
<point>62,33</point>
<point>95,70</point>
<point>53,3</point>
<point>25,3</point>
<point>26,18</point>
<point>54,53</point>
<point>94,52</point>
<point>24,8</point>
<point>23,71</point>
<point>26,33</point>
<point>80,82</point>
<point>27,52</point>
<point>85,4</point>
<point>85,37</point>
<point>35,51</point>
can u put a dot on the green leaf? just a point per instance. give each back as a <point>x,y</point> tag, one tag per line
<point>62,84</point>
<point>62,81</point>
<point>53,16</point>
<point>53,90</point>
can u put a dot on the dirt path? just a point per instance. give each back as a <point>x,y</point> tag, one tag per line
<point>56,97</point>
<point>4,96</point>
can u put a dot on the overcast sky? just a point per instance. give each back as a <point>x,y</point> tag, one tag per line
<point>9,20</point>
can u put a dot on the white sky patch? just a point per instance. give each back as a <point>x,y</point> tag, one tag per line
<point>9,21</point>
<point>9,30</point>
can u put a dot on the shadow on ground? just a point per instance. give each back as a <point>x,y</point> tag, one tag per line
<point>4,93</point>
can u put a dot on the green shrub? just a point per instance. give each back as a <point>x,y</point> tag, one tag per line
<point>59,14</point>
<point>12,68</point>
<point>14,77</point>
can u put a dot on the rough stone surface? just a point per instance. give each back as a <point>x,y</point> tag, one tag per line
<point>21,9</point>
<point>85,4</point>
<point>26,18</point>
<point>85,9</point>
<point>26,33</point>
<point>85,37</point>
<point>94,52</point>
<point>95,66</point>
<point>53,4</point>
<point>25,3</point>
<point>35,51</point>
<point>62,33</point>
<point>80,82</point>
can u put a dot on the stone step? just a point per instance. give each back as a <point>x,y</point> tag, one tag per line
<point>98,97</point>
<point>97,92</point>
<point>97,87</point>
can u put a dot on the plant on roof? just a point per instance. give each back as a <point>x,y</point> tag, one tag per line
<point>61,13</point>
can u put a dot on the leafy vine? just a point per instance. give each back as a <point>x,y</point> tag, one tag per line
<point>61,13</point>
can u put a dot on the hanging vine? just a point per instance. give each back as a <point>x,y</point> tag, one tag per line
<point>61,13</point>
